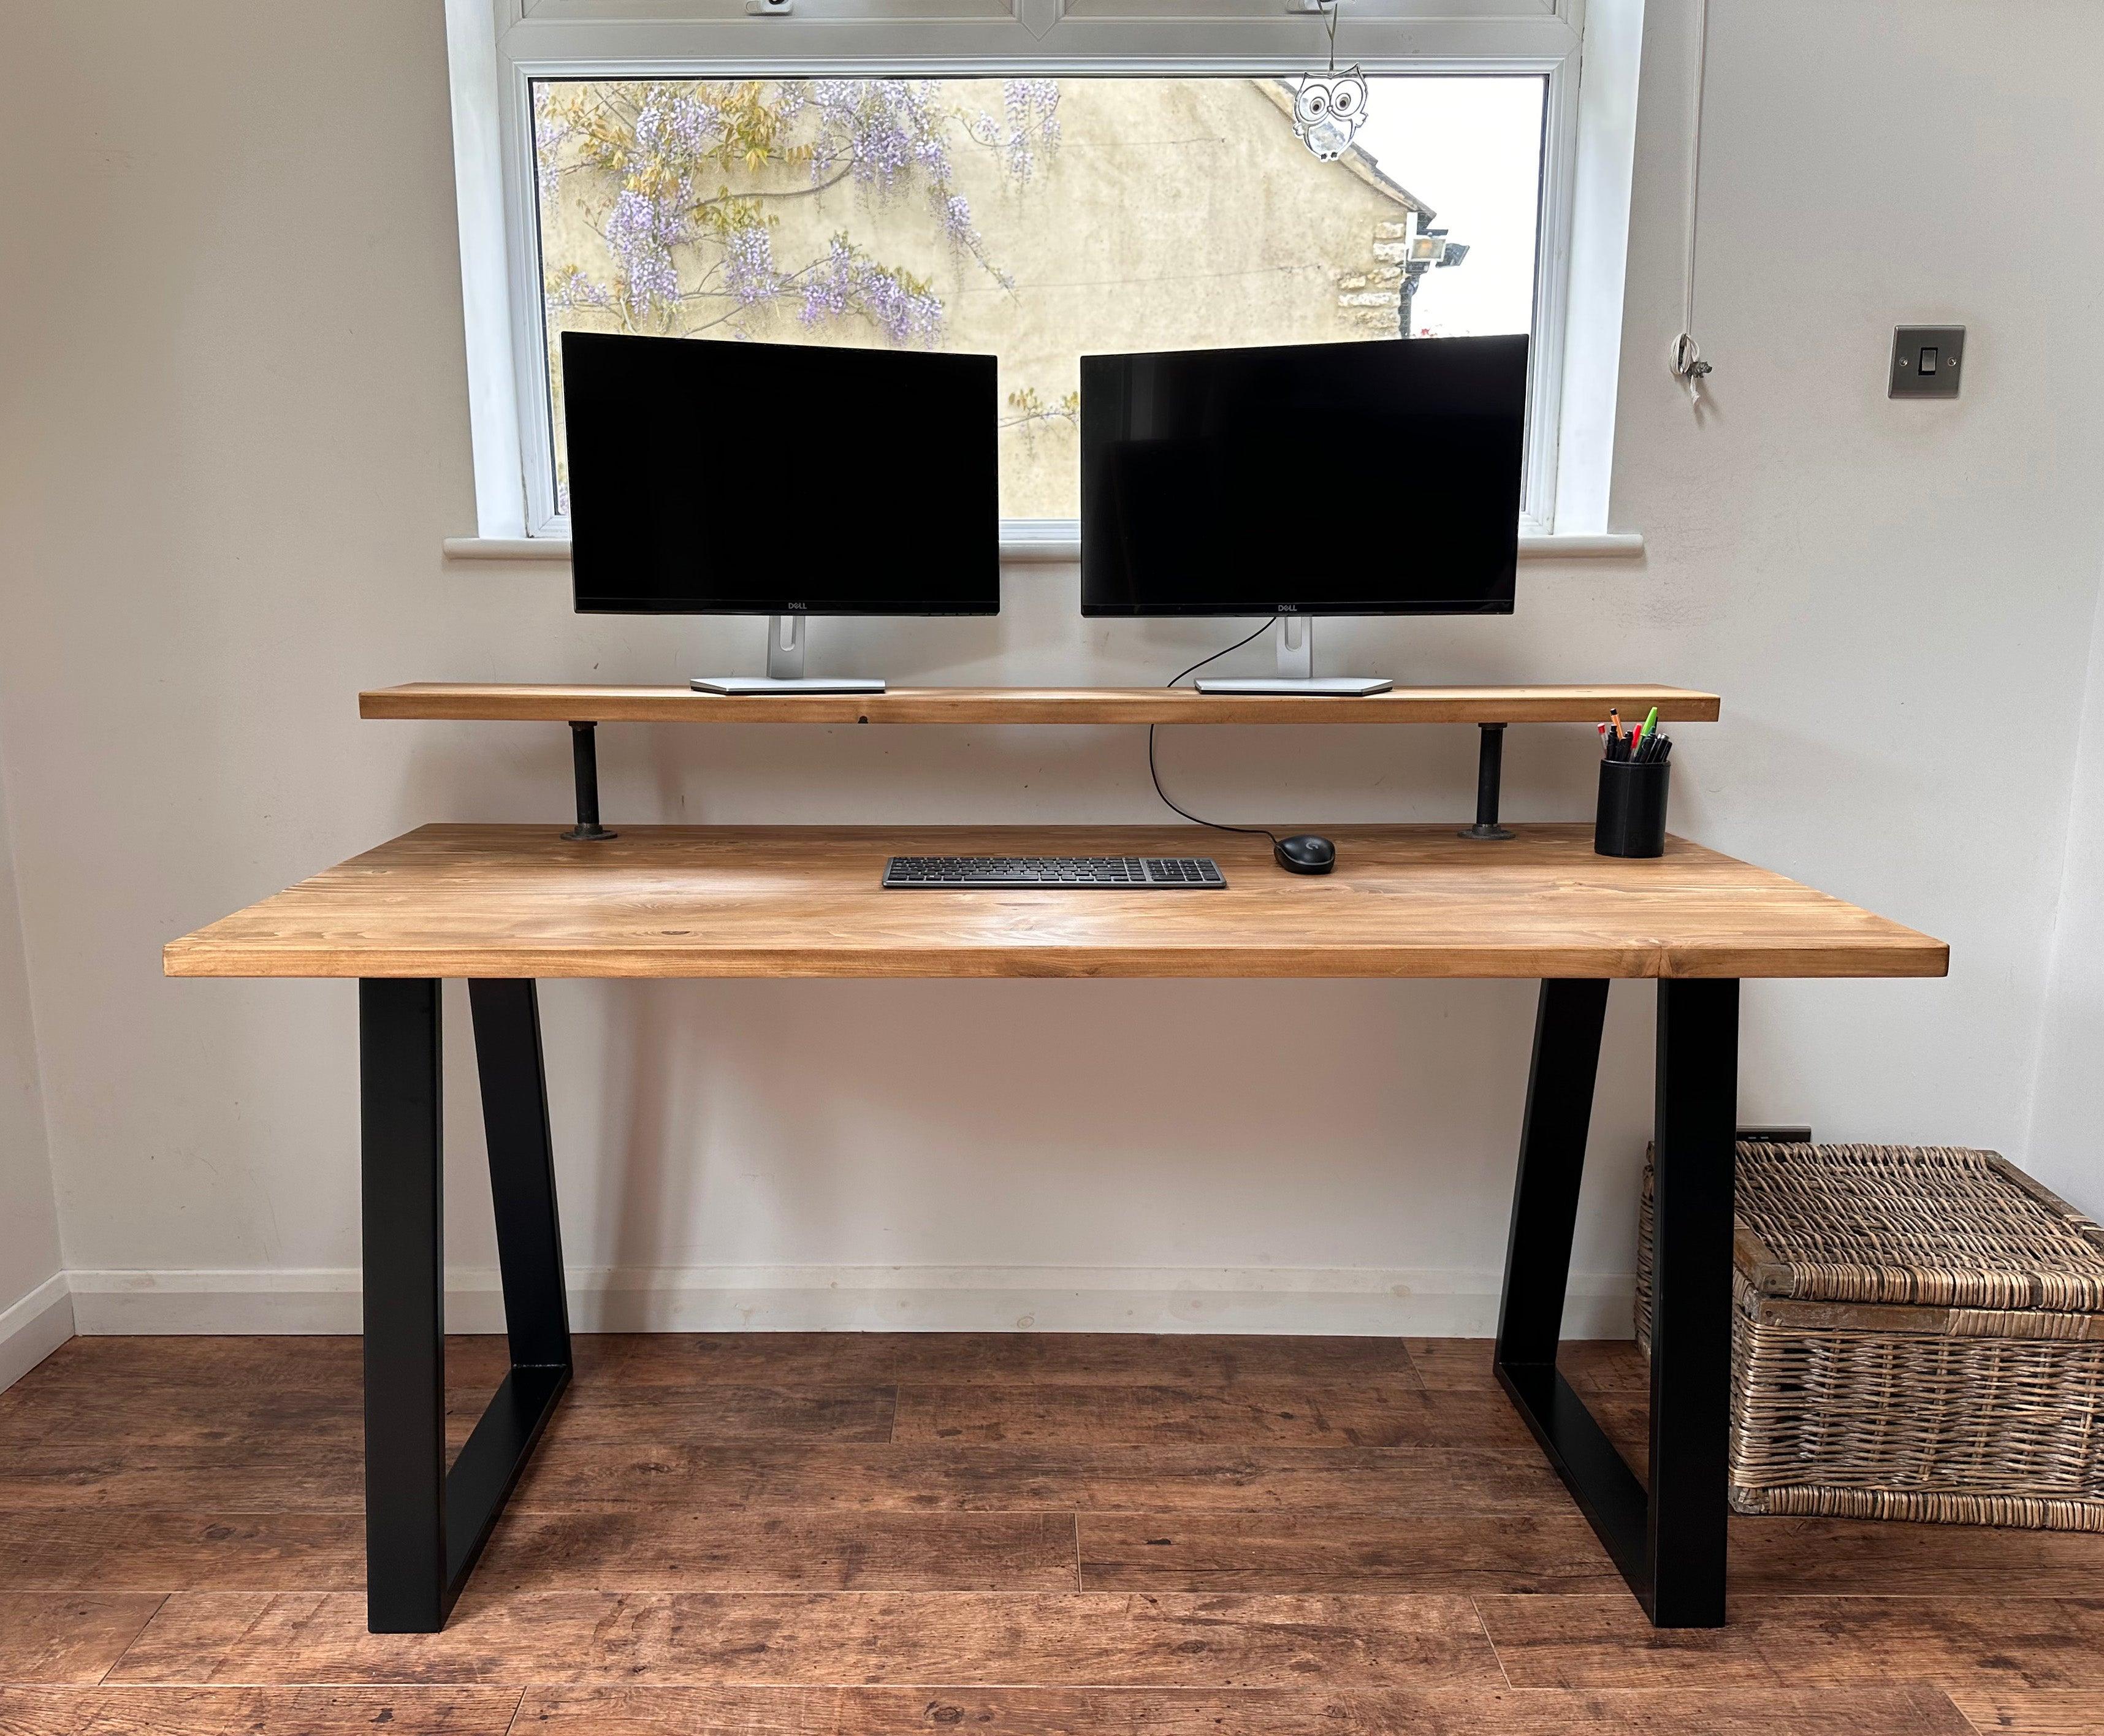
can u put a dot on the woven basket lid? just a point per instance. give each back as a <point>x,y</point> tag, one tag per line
<point>1933,1225</point>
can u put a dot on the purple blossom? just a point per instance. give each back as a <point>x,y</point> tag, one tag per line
<point>661,149</point>
<point>882,128</point>
<point>573,289</point>
<point>676,122</point>
<point>640,231</point>
<point>845,283</point>
<point>649,123</point>
<point>905,316</point>
<point>749,272</point>
<point>1030,109</point>
<point>550,130</point>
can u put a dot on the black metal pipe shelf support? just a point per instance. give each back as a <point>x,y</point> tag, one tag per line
<point>584,767</point>
<point>1490,770</point>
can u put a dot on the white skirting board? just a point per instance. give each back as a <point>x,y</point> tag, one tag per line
<point>1310,1302</point>
<point>33,1328</point>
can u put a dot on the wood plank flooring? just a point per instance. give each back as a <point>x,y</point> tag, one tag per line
<point>1017,1535</point>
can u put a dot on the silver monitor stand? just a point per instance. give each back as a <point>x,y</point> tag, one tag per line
<point>1296,669</point>
<point>785,668</point>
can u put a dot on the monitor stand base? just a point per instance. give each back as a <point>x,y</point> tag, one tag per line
<point>749,684</point>
<point>1296,669</point>
<point>785,668</point>
<point>1350,687</point>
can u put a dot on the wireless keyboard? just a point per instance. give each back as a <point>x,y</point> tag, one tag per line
<point>1195,872</point>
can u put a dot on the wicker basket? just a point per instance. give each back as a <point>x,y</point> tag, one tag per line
<point>1918,1334</point>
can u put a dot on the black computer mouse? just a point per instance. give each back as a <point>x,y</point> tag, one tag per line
<point>1304,853</point>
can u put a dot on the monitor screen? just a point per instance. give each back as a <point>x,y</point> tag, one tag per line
<point>1367,478</point>
<point>713,478</point>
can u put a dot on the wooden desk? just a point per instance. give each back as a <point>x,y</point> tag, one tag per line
<point>503,906</point>
<point>1412,901</point>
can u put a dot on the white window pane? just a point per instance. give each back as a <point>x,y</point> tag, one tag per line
<point>1471,149</point>
<point>1036,220</point>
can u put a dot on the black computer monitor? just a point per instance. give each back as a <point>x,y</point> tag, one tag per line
<point>1366,478</point>
<point>727,478</point>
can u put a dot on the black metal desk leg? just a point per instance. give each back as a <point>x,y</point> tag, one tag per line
<point>1552,1162</point>
<point>1691,1334</point>
<point>405,1323</point>
<point>1669,1539</point>
<point>425,1524</point>
<point>1568,1019</point>
<point>522,1169</point>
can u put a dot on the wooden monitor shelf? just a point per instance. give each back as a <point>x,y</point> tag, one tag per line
<point>584,707</point>
<point>510,703</point>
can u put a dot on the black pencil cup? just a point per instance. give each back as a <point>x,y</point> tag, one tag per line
<point>1632,816</point>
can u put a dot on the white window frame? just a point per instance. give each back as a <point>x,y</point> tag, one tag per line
<point>1587,50</point>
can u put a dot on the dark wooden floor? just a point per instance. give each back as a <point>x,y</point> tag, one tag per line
<point>1014,1534</point>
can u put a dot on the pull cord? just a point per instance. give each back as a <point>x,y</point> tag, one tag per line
<point>1685,358</point>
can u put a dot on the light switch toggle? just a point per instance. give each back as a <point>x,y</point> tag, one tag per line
<point>1928,360</point>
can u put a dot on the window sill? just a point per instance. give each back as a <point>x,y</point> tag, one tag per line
<point>1056,544</point>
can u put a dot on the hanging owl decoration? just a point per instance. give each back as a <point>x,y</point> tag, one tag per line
<point>1327,109</point>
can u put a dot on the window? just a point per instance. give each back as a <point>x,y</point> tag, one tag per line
<point>1035,198</point>
<point>1034,219</point>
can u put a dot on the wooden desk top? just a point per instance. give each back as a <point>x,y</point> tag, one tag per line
<point>502,702</point>
<point>518,901</point>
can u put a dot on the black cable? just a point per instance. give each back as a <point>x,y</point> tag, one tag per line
<point>1254,830</point>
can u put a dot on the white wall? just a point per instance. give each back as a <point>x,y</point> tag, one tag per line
<point>2066,1149</point>
<point>36,1312</point>
<point>235,432</point>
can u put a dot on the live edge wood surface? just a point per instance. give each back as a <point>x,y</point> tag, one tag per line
<point>520,901</point>
<point>501,702</point>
